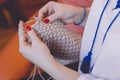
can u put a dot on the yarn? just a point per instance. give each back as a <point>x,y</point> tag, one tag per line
<point>62,42</point>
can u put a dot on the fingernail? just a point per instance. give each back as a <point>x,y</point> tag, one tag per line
<point>46,20</point>
<point>28,28</point>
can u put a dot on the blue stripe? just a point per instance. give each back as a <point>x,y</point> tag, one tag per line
<point>110,26</point>
<point>98,25</point>
<point>85,66</point>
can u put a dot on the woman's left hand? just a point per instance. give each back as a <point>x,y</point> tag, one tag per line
<point>34,49</point>
<point>38,53</point>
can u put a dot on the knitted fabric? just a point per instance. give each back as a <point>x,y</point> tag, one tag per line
<point>62,43</point>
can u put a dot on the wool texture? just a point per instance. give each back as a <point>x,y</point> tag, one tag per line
<point>62,42</point>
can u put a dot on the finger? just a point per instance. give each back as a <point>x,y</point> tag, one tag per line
<point>21,33</point>
<point>43,11</point>
<point>47,9</point>
<point>33,36</point>
<point>41,14</point>
<point>52,17</point>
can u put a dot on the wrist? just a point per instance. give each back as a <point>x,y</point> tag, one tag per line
<point>79,19</point>
<point>64,72</point>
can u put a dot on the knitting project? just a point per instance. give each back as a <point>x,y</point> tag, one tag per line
<point>61,41</point>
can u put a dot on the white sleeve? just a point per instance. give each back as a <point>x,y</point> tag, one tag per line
<point>88,77</point>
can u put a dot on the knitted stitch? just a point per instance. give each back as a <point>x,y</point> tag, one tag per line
<point>62,42</point>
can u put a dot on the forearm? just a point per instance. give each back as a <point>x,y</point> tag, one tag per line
<point>59,71</point>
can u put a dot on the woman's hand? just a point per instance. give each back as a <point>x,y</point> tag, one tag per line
<point>34,49</point>
<point>38,53</point>
<point>66,13</point>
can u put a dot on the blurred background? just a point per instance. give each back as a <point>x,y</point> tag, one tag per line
<point>11,11</point>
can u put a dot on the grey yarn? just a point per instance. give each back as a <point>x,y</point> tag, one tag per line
<point>62,43</point>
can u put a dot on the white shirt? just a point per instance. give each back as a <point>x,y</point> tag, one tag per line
<point>106,56</point>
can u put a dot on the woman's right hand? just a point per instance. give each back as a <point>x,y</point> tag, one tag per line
<point>64,12</point>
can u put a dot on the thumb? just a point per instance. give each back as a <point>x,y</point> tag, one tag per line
<point>33,36</point>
